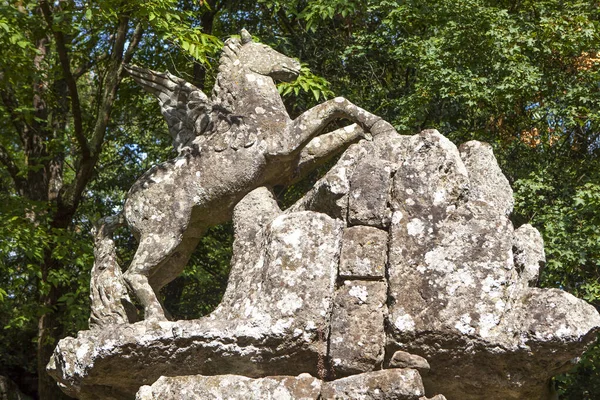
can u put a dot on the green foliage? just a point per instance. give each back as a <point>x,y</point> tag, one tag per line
<point>520,75</point>
<point>309,83</point>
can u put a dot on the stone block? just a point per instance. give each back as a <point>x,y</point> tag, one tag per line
<point>357,327</point>
<point>364,253</point>
<point>397,384</point>
<point>232,387</point>
<point>402,359</point>
<point>390,384</point>
<point>369,187</point>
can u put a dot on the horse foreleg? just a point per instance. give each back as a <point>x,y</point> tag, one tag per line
<point>326,146</point>
<point>312,122</point>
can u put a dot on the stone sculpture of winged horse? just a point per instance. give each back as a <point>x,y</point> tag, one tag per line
<point>236,141</point>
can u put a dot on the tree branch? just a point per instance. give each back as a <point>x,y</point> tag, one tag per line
<point>133,43</point>
<point>63,56</point>
<point>85,68</point>
<point>71,194</point>
<point>112,80</point>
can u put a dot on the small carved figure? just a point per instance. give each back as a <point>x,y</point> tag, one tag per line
<point>236,141</point>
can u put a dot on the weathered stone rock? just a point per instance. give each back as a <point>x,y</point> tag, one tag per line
<point>456,291</point>
<point>393,384</point>
<point>232,387</point>
<point>108,294</point>
<point>457,297</point>
<point>487,182</point>
<point>238,140</point>
<point>276,317</point>
<point>357,327</point>
<point>402,359</point>
<point>330,194</point>
<point>528,249</point>
<point>364,253</point>
<point>399,384</point>
<point>391,147</point>
<point>370,186</point>
<point>431,182</point>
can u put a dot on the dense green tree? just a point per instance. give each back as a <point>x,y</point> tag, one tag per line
<point>74,136</point>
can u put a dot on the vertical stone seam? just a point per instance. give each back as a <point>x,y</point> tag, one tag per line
<point>386,272</point>
<point>328,370</point>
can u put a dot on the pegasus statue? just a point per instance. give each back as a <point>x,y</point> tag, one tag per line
<point>239,139</point>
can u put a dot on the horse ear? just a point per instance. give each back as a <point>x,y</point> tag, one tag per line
<point>246,36</point>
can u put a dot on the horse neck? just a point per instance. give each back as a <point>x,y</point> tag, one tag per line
<point>248,94</point>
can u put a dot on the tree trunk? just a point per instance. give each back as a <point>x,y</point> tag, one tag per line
<point>48,327</point>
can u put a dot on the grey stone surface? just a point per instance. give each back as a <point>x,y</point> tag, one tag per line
<point>232,387</point>
<point>399,384</point>
<point>274,316</point>
<point>402,359</point>
<point>393,384</point>
<point>528,249</point>
<point>460,297</point>
<point>369,186</point>
<point>108,295</point>
<point>330,193</point>
<point>364,253</point>
<point>487,182</point>
<point>357,336</point>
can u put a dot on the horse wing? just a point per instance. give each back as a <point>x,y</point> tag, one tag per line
<point>185,107</point>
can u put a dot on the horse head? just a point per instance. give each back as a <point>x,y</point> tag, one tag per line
<point>263,60</point>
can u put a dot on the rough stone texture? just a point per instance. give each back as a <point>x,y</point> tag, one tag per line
<point>460,296</point>
<point>402,359</point>
<point>364,253</point>
<point>357,327</point>
<point>528,249</point>
<point>392,384</point>
<point>400,384</point>
<point>487,182</point>
<point>274,316</point>
<point>232,387</point>
<point>10,391</point>
<point>369,185</point>
<point>329,195</point>
<point>456,292</point>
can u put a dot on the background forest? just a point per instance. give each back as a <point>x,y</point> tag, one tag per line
<point>75,132</point>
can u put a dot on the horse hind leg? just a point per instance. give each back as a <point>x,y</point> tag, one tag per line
<point>160,257</point>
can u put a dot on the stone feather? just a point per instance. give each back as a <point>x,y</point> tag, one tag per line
<point>185,107</point>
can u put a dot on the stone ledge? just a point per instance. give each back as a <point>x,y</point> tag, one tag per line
<point>397,384</point>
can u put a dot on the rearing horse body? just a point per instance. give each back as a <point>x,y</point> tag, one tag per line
<point>240,139</point>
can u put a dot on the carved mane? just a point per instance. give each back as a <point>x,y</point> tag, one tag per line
<point>222,91</point>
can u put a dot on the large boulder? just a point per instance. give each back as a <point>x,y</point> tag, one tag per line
<point>402,256</point>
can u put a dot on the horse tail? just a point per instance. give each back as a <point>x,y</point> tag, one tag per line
<point>108,292</point>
